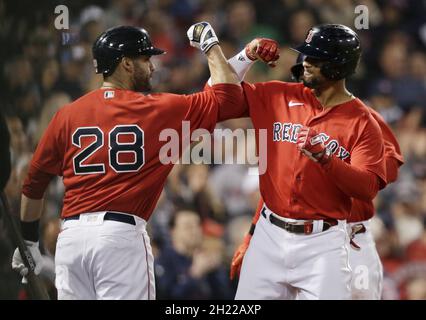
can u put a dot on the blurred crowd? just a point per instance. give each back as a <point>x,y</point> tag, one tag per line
<point>205,210</point>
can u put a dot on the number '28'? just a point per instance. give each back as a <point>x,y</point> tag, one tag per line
<point>114,149</point>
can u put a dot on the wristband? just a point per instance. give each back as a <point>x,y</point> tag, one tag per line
<point>241,64</point>
<point>30,230</point>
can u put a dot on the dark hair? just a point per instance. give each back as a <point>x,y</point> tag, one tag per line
<point>178,210</point>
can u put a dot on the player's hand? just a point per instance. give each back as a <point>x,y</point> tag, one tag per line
<point>311,144</point>
<point>267,50</point>
<point>18,264</point>
<point>237,260</point>
<point>202,36</point>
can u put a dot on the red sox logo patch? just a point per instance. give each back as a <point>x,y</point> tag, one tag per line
<point>309,36</point>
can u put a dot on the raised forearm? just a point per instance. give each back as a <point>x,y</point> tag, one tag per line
<point>220,70</point>
<point>253,51</point>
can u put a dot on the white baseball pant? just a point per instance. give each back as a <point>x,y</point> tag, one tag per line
<point>283,265</point>
<point>103,259</point>
<point>367,277</point>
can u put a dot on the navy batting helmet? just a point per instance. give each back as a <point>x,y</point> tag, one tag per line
<point>118,42</point>
<point>336,44</point>
<point>297,68</point>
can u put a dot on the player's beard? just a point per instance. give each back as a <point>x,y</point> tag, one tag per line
<point>312,84</point>
<point>315,82</point>
<point>141,79</point>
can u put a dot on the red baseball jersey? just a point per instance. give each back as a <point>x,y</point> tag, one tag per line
<point>364,210</point>
<point>294,186</point>
<point>106,145</point>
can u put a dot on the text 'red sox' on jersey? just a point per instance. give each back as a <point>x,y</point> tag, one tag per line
<point>296,187</point>
<point>106,146</point>
<point>364,210</point>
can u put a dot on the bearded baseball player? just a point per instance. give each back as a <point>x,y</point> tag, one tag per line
<point>364,260</point>
<point>323,149</point>
<point>106,147</point>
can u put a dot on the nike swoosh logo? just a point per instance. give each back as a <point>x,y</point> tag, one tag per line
<point>295,104</point>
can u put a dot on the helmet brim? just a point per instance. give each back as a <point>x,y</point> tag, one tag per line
<point>154,52</point>
<point>310,51</point>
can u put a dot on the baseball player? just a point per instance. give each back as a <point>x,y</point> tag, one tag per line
<point>324,148</point>
<point>106,147</point>
<point>364,260</point>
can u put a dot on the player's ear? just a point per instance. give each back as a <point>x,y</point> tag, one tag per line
<point>127,64</point>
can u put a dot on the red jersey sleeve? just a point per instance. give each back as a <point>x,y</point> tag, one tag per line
<point>368,153</point>
<point>393,154</point>
<point>229,108</point>
<point>202,109</point>
<point>366,173</point>
<point>364,210</point>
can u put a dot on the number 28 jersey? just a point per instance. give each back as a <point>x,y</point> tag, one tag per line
<point>106,145</point>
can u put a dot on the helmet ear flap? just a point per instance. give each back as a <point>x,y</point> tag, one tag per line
<point>338,71</point>
<point>297,71</point>
<point>331,71</point>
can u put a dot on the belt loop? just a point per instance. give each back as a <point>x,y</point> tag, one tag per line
<point>318,226</point>
<point>308,227</point>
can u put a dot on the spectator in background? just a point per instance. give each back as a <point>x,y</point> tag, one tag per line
<point>235,232</point>
<point>416,250</point>
<point>382,100</point>
<point>243,25</point>
<point>20,155</point>
<point>48,77</point>
<point>72,62</point>
<point>50,107</point>
<point>394,62</point>
<point>299,24</point>
<point>188,186</point>
<point>192,266</point>
<point>416,288</point>
<point>336,11</point>
<point>5,164</point>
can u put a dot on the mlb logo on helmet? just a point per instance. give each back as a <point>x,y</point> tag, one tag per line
<point>309,36</point>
